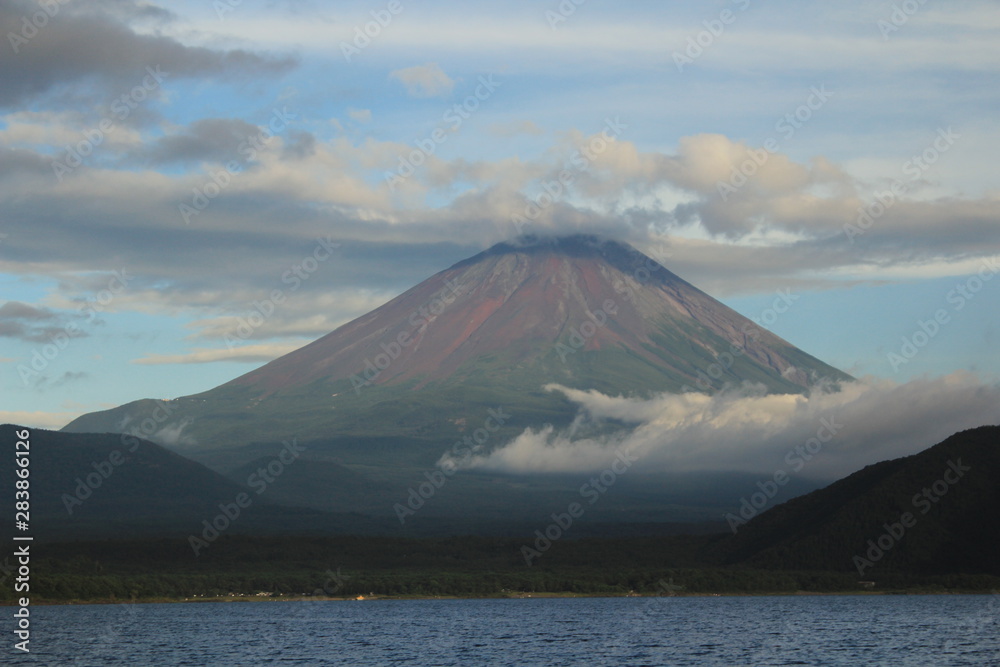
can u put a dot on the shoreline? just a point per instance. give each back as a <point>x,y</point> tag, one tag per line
<point>524,596</point>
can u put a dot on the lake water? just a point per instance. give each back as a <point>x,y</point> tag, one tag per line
<point>807,630</point>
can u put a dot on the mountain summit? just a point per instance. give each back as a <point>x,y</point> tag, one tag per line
<point>493,330</point>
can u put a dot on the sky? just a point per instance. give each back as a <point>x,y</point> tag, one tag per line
<point>188,190</point>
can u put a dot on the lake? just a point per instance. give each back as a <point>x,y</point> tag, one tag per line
<point>779,630</point>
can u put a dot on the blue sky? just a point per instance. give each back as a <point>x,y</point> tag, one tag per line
<point>109,293</point>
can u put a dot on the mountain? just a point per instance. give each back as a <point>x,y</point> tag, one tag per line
<point>811,543</point>
<point>466,354</point>
<point>517,311</point>
<point>88,486</point>
<point>113,486</point>
<point>578,311</point>
<point>930,513</point>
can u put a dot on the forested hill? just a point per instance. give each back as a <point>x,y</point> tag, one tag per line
<point>932,512</point>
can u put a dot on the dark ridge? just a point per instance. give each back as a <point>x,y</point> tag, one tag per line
<point>828,528</point>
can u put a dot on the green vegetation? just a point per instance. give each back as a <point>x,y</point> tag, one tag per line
<point>810,543</point>
<point>462,567</point>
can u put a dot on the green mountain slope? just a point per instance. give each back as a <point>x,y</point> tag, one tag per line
<point>109,486</point>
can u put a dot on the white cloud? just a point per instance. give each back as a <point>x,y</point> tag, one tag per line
<point>798,229</point>
<point>747,430</point>
<point>245,353</point>
<point>172,435</point>
<point>424,80</point>
<point>823,37</point>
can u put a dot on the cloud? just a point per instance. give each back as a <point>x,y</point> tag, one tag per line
<point>294,317</point>
<point>804,37</point>
<point>208,139</point>
<point>21,311</point>
<point>173,435</point>
<point>299,145</point>
<point>101,43</point>
<point>44,382</point>
<point>360,115</point>
<point>67,377</point>
<point>58,128</point>
<point>424,80</point>
<point>746,430</point>
<point>775,234</point>
<point>245,353</point>
<point>32,324</point>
